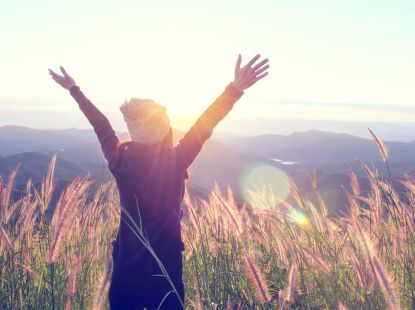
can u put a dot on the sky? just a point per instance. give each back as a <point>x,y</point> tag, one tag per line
<point>330,60</point>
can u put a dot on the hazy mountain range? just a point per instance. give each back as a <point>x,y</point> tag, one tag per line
<point>321,155</point>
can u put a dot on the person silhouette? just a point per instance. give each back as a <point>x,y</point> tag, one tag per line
<point>150,174</point>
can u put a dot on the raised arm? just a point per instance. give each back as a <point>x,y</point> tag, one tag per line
<point>192,142</point>
<point>102,127</point>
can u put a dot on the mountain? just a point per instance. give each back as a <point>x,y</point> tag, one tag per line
<point>18,139</point>
<point>268,145</point>
<point>34,165</point>
<point>315,147</point>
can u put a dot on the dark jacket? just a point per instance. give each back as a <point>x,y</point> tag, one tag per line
<point>151,178</point>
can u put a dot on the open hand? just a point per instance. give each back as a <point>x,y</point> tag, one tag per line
<point>250,74</point>
<point>63,80</point>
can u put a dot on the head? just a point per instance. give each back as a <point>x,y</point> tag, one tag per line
<point>147,121</point>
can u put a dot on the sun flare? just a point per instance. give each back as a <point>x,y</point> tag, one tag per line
<point>264,186</point>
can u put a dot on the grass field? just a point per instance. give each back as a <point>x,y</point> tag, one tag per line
<point>290,255</point>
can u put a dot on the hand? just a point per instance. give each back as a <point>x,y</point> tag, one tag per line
<point>247,76</point>
<point>65,81</point>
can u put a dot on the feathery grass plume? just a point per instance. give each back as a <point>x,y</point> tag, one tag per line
<point>322,204</point>
<point>354,210</point>
<point>379,271</point>
<point>375,200</point>
<point>230,212</point>
<point>231,198</point>
<point>191,211</point>
<point>7,191</point>
<point>72,196</point>
<point>409,184</point>
<point>359,269</point>
<point>381,146</point>
<point>29,216</point>
<point>281,251</point>
<point>293,279</point>
<point>6,238</point>
<point>256,278</point>
<point>354,181</point>
<point>25,204</point>
<point>8,213</point>
<point>316,261</point>
<point>386,283</point>
<point>47,186</point>
<point>393,196</point>
<point>316,217</point>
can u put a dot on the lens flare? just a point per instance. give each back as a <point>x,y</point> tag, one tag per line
<point>264,186</point>
<point>298,217</point>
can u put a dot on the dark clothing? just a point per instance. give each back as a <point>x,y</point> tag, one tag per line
<point>151,183</point>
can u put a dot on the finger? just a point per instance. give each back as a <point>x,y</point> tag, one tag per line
<point>57,80</point>
<point>51,72</point>
<point>260,64</point>
<point>64,72</point>
<point>238,63</point>
<point>252,61</point>
<point>260,77</point>
<point>258,72</point>
<point>56,77</point>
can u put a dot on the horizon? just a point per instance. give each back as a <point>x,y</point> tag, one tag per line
<point>394,132</point>
<point>336,62</point>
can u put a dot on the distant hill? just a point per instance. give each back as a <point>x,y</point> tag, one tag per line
<point>18,139</point>
<point>268,145</point>
<point>315,147</point>
<point>34,165</point>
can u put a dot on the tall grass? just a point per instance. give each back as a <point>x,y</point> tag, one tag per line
<point>287,256</point>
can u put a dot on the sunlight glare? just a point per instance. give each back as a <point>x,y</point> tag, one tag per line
<point>264,186</point>
<point>298,216</point>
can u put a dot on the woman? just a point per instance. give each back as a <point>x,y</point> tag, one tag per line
<point>150,174</point>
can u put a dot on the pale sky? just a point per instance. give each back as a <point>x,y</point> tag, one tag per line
<point>331,60</point>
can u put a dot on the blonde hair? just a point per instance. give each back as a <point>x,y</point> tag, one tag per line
<point>147,121</point>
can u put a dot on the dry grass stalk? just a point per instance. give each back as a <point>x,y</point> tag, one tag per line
<point>381,146</point>
<point>6,238</point>
<point>293,278</point>
<point>256,278</point>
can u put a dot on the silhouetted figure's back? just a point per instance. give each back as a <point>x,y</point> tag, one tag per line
<point>150,179</point>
